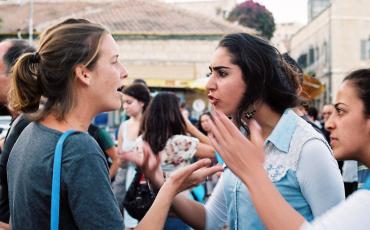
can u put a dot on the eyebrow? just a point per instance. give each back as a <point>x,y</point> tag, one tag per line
<point>218,68</point>
<point>338,104</point>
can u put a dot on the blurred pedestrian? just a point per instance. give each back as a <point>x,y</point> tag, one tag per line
<point>136,98</point>
<point>10,51</point>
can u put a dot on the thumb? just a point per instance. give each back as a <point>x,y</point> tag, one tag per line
<point>256,133</point>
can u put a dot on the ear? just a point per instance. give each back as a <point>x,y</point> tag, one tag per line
<point>82,74</point>
<point>141,104</point>
<point>368,124</point>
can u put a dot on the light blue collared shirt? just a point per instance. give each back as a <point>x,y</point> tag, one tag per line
<point>296,156</point>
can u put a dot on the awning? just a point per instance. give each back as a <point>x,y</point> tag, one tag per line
<point>311,87</point>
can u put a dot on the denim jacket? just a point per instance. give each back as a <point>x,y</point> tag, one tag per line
<point>283,148</point>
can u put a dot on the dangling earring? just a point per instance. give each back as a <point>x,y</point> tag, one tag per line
<point>249,114</point>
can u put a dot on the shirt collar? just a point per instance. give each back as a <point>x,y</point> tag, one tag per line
<point>282,134</point>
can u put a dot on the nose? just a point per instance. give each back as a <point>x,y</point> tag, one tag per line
<point>211,83</point>
<point>330,122</point>
<point>124,72</point>
<point>124,106</point>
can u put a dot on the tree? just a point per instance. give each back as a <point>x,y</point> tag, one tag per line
<point>254,15</point>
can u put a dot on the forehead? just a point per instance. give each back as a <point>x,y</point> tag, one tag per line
<point>221,56</point>
<point>108,46</point>
<point>347,94</point>
<point>127,97</point>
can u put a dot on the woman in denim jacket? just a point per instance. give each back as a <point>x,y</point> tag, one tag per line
<point>249,80</point>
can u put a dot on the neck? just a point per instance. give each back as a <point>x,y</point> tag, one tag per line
<point>267,119</point>
<point>366,156</point>
<point>137,118</point>
<point>75,119</point>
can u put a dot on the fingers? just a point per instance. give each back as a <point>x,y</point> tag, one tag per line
<point>228,124</point>
<point>199,164</point>
<point>256,133</point>
<point>210,171</point>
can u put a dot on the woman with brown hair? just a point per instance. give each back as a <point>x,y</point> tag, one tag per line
<point>77,70</point>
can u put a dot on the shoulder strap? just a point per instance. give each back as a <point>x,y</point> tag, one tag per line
<point>55,188</point>
<point>367,183</point>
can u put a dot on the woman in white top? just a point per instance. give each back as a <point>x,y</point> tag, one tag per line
<point>135,100</point>
<point>350,134</point>
<point>165,130</point>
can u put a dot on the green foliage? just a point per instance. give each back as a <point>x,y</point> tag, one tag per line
<point>254,15</point>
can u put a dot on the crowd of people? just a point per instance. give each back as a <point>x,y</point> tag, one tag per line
<point>272,162</point>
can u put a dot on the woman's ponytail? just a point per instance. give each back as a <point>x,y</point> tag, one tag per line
<point>25,91</point>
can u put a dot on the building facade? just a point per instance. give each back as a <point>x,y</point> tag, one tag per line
<point>283,34</point>
<point>167,46</point>
<point>334,43</point>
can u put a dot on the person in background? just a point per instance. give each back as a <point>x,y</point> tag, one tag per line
<point>203,122</point>
<point>350,176</point>
<point>184,111</point>
<point>140,81</point>
<point>136,98</point>
<point>10,51</point>
<point>326,112</point>
<point>167,137</point>
<point>349,128</point>
<point>313,115</point>
<point>105,142</point>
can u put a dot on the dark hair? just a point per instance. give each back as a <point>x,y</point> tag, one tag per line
<point>138,91</point>
<point>140,81</point>
<point>16,49</point>
<point>162,120</point>
<point>361,81</point>
<point>267,77</point>
<point>199,125</point>
<point>313,112</point>
<point>294,65</point>
<point>49,72</point>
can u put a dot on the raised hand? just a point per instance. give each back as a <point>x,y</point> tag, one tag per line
<point>148,162</point>
<point>240,154</point>
<point>191,175</point>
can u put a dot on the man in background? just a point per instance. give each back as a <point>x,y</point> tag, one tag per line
<point>10,51</point>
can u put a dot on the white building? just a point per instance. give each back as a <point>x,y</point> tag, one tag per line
<point>210,8</point>
<point>283,34</point>
<point>315,7</point>
<point>334,43</point>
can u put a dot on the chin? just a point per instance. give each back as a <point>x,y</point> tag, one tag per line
<point>343,155</point>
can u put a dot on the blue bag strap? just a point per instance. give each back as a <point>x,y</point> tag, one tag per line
<point>55,187</point>
<point>367,183</point>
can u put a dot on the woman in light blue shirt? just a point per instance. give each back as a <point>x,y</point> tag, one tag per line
<point>249,80</point>
<point>349,128</point>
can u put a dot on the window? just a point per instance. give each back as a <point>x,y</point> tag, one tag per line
<point>302,60</point>
<point>311,56</point>
<point>325,52</point>
<point>365,49</point>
